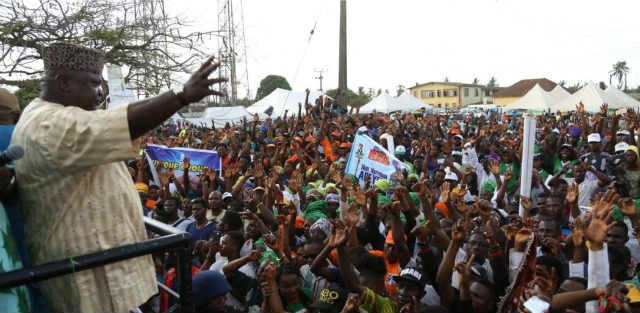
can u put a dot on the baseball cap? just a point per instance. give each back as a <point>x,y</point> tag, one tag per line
<point>411,275</point>
<point>208,285</point>
<point>450,176</point>
<point>458,136</point>
<point>593,137</point>
<point>401,149</point>
<point>226,195</point>
<point>332,298</point>
<point>621,147</point>
<point>623,132</point>
<point>456,152</point>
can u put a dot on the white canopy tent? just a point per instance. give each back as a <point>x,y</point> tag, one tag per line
<point>558,93</point>
<point>222,115</point>
<point>591,96</point>
<point>537,99</point>
<point>412,103</point>
<point>282,100</point>
<point>622,100</point>
<point>384,103</point>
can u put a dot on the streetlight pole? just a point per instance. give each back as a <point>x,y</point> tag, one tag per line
<point>342,67</point>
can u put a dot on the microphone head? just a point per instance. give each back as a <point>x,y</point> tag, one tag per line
<point>14,152</point>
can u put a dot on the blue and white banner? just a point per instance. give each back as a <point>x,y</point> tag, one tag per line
<point>165,159</point>
<point>369,158</point>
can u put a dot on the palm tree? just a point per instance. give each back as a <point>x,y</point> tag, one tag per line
<point>619,72</point>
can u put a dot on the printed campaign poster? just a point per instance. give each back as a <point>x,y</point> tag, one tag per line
<point>164,159</point>
<point>369,158</point>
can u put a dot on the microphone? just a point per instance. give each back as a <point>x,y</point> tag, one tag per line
<point>12,153</point>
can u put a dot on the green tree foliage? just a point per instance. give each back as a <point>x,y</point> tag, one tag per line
<point>271,83</point>
<point>353,99</point>
<point>619,72</point>
<point>26,94</point>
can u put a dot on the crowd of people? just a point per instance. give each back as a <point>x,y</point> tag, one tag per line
<point>281,228</point>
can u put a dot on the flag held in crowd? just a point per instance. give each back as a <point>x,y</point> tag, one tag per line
<point>164,159</point>
<point>369,158</point>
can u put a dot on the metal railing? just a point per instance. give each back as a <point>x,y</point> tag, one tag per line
<point>171,239</point>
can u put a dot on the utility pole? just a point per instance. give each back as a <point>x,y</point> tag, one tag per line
<point>342,68</point>
<point>320,78</point>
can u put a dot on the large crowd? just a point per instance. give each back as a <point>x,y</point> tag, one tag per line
<point>281,228</point>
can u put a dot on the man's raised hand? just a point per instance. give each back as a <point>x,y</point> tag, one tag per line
<point>199,85</point>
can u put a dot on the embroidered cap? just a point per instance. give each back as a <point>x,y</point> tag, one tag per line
<point>68,56</point>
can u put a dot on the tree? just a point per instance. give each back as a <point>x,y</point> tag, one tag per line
<point>446,79</point>
<point>271,83</point>
<point>602,85</point>
<point>576,87</point>
<point>26,94</point>
<point>353,99</point>
<point>154,47</point>
<point>476,81</point>
<point>619,72</point>
<point>400,90</point>
<point>492,84</point>
<point>562,83</point>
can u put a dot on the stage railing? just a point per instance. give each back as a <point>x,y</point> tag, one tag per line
<point>171,239</point>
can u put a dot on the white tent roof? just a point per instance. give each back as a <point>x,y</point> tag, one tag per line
<point>590,95</point>
<point>281,100</point>
<point>222,115</point>
<point>537,99</point>
<point>384,103</point>
<point>412,103</point>
<point>558,93</point>
<point>622,100</point>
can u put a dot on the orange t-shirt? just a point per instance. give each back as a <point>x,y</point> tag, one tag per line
<point>328,152</point>
<point>393,269</point>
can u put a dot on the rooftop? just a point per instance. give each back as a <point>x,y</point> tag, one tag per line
<point>447,83</point>
<point>520,88</point>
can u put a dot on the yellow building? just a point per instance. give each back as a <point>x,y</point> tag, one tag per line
<point>448,95</point>
<point>507,95</point>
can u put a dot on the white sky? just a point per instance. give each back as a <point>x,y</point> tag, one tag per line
<point>392,42</point>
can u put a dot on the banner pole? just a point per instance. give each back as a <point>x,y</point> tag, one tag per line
<point>528,142</point>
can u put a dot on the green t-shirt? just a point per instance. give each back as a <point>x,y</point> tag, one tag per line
<point>301,306</point>
<point>374,302</point>
<point>515,170</point>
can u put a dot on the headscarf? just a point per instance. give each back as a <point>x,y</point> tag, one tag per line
<point>489,186</point>
<point>322,225</point>
<point>635,150</point>
<point>383,184</point>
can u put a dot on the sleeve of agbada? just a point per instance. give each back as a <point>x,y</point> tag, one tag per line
<point>73,139</point>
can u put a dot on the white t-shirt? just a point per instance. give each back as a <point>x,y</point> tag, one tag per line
<point>586,189</point>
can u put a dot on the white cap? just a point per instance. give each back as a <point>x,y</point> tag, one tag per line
<point>593,137</point>
<point>623,132</point>
<point>456,152</point>
<point>555,130</point>
<point>459,137</point>
<point>621,146</point>
<point>401,149</point>
<point>450,176</point>
<point>226,195</point>
<point>363,129</point>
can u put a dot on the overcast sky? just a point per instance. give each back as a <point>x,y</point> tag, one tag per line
<point>403,42</point>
